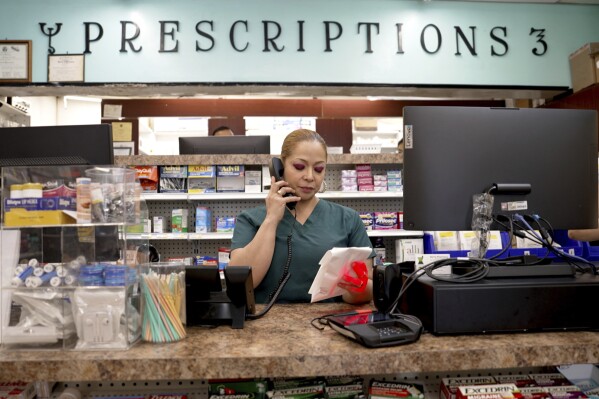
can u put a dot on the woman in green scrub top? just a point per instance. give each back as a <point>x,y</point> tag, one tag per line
<point>269,236</point>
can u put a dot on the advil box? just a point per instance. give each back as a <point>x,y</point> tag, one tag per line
<point>173,179</point>
<point>230,178</point>
<point>201,179</point>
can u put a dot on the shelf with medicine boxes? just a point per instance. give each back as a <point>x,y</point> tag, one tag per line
<point>69,273</point>
<point>213,235</point>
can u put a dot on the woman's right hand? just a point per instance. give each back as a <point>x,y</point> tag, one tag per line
<point>275,202</point>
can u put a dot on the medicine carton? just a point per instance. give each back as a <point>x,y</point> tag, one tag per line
<point>179,221</point>
<point>449,386</point>
<point>173,179</point>
<point>385,220</point>
<point>201,179</point>
<point>253,180</point>
<point>386,389</point>
<point>230,178</point>
<point>225,224</point>
<point>502,391</point>
<point>343,387</point>
<point>41,204</point>
<point>203,222</point>
<point>17,390</point>
<point>406,249</point>
<point>367,219</point>
<point>148,178</point>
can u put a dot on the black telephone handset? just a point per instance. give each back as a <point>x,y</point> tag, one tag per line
<point>276,170</point>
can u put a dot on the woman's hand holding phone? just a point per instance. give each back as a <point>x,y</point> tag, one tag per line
<point>279,196</point>
<point>282,189</point>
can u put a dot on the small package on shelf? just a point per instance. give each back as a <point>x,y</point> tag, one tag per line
<point>148,178</point>
<point>446,240</point>
<point>179,221</point>
<point>496,390</point>
<point>225,224</point>
<point>224,255</point>
<point>205,260</point>
<point>385,220</point>
<point>17,390</point>
<point>59,188</point>
<point>201,179</point>
<point>467,238</point>
<point>158,224</point>
<point>253,179</point>
<point>367,219</point>
<point>387,389</point>
<point>203,223</point>
<point>230,178</point>
<point>255,389</point>
<point>520,380</point>
<point>344,387</point>
<point>173,179</point>
<point>406,249</point>
<point>449,385</point>
<point>296,388</point>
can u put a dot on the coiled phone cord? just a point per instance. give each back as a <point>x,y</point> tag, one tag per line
<point>272,298</point>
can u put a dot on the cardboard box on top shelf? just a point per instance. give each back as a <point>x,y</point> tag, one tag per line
<point>584,66</point>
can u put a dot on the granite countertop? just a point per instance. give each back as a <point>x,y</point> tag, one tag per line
<point>284,344</point>
<point>249,159</point>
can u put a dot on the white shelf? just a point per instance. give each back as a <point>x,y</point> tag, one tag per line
<point>360,194</point>
<point>228,236</point>
<point>257,196</point>
<point>210,236</point>
<point>164,196</point>
<point>395,233</point>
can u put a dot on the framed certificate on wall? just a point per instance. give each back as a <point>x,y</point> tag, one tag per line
<point>15,61</point>
<point>66,68</point>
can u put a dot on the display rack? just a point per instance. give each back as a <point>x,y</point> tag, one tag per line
<point>177,245</point>
<point>67,285</point>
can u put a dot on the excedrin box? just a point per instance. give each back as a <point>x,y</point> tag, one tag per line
<point>449,386</point>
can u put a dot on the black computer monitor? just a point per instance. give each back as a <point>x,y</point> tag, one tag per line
<point>56,145</point>
<point>224,145</point>
<point>452,153</point>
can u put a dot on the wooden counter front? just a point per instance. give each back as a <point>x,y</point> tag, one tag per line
<point>284,344</point>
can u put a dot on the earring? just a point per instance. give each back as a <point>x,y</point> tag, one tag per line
<point>323,187</point>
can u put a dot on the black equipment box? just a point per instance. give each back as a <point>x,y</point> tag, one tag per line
<point>504,305</point>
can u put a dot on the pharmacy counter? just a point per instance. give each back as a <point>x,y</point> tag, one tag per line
<point>284,344</point>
